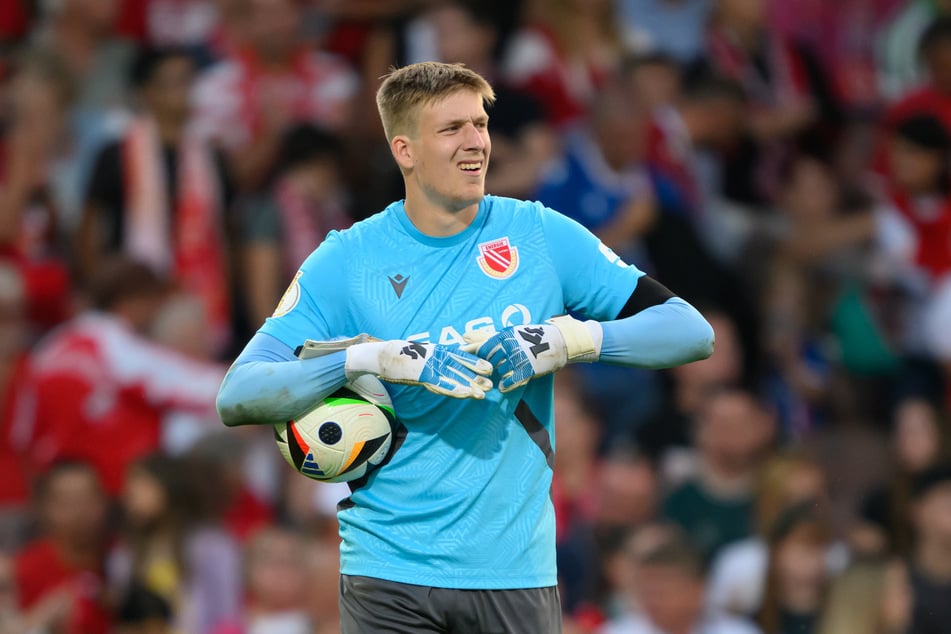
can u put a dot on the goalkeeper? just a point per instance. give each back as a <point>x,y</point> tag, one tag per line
<point>457,290</point>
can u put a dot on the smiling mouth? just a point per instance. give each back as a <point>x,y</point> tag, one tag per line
<point>471,167</point>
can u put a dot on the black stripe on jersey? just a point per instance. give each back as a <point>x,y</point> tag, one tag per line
<point>536,431</point>
<point>648,292</point>
<point>399,436</point>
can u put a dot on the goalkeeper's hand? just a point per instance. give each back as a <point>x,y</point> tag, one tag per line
<point>520,353</point>
<point>438,368</point>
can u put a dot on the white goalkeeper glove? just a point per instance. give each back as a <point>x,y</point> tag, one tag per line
<point>437,368</point>
<point>520,353</point>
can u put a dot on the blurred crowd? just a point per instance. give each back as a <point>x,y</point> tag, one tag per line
<point>784,165</point>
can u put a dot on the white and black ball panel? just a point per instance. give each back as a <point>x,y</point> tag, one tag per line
<point>342,437</point>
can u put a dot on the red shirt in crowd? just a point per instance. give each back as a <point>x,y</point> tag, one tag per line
<point>101,392</point>
<point>41,570</point>
<point>14,412</point>
<point>925,100</point>
<point>234,97</point>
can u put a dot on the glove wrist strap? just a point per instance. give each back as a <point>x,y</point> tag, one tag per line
<point>582,339</point>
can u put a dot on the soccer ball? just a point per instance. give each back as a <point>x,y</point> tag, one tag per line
<point>344,436</point>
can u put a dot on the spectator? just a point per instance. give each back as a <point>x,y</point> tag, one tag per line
<point>655,77</point>
<point>522,141</point>
<point>933,96</point>
<point>30,197</point>
<point>914,229</point>
<point>670,590</point>
<point>705,119</point>
<point>247,101</point>
<point>931,556</point>
<point>307,200</point>
<point>715,506</point>
<point>621,559</point>
<point>666,437</point>
<point>864,586</point>
<point>82,34</point>
<point>899,68</point>
<point>245,512</point>
<point>601,178</point>
<point>564,56</point>
<point>626,494</point>
<point>60,576</point>
<point>738,574</point>
<point>277,583</point>
<point>919,441</point>
<point>173,546</point>
<point>796,575</point>
<point>98,378</point>
<point>787,91</point>
<point>816,266</point>
<point>157,186</point>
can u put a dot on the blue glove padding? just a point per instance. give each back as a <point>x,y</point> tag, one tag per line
<point>438,368</point>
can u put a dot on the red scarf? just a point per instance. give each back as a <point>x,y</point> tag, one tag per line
<point>933,229</point>
<point>192,251</point>
<point>306,222</point>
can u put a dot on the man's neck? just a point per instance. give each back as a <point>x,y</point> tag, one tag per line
<point>76,44</point>
<point>724,482</point>
<point>436,221</point>
<point>78,554</point>
<point>170,130</point>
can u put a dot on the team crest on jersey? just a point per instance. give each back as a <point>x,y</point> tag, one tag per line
<point>498,258</point>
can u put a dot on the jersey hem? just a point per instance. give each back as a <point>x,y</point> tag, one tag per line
<point>452,582</point>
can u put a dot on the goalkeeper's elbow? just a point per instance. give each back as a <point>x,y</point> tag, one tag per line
<point>228,404</point>
<point>703,339</point>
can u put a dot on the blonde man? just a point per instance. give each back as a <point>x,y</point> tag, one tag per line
<point>456,531</point>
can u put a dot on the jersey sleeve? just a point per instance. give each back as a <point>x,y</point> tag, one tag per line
<point>595,282</point>
<point>313,306</point>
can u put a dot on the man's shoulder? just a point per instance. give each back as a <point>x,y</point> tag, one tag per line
<point>380,223</point>
<point>35,556</point>
<point>505,208</point>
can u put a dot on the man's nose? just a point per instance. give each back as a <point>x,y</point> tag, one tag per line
<point>474,140</point>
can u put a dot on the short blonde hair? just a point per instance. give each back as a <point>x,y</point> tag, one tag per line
<point>405,89</point>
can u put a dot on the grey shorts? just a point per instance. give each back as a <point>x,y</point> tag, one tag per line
<point>376,606</point>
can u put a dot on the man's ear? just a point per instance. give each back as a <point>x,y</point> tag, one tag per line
<point>402,148</point>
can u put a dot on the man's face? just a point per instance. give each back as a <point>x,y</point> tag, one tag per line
<point>273,28</point>
<point>167,93</point>
<point>670,597</point>
<point>933,513</point>
<point>449,153</point>
<point>75,506</point>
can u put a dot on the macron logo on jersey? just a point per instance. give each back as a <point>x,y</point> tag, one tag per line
<point>398,283</point>
<point>498,259</point>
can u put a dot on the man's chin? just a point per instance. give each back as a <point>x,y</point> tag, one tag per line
<point>463,203</point>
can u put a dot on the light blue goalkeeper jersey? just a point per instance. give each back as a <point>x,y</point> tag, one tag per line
<point>464,501</point>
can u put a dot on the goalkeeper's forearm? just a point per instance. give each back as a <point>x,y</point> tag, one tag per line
<point>660,336</point>
<point>268,384</point>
